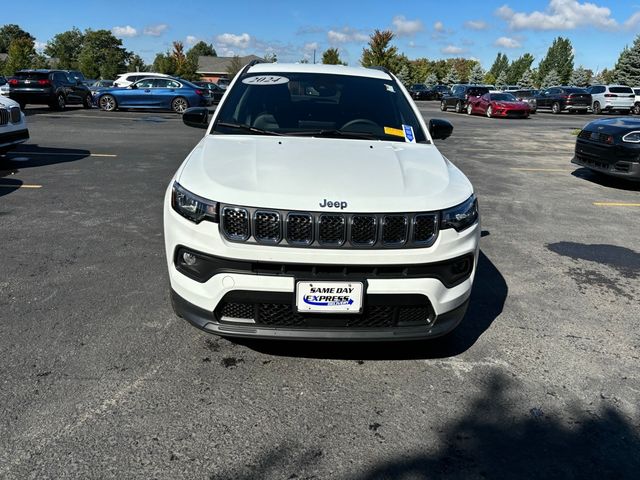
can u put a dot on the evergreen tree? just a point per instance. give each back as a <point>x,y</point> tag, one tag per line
<point>432,79</point>
<point>527,79</point>
<point>404,74</point>
<point>136,64</point>
<point>580,77</point>
<point>40,61</point>
<point>185,67</point>
<point>502,79</point>
<point>627,69</point>
<point>500,64</point>
<point>271,57</point>
<point>489,79</point>
<point>559,58</point>
<point>380,52</point>
<point>452,77</point>
<point>331,56</point>
<point>21,55</point>
<point>477,74</point>
<point>551,79</point>
<point>66,48</point>
<point>518,67</point>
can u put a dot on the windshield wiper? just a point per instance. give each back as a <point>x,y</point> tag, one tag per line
<point>248,128</point>
<point>334,133</point>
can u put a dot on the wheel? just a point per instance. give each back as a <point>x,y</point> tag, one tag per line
<point>555,108</point>
<point>87,101</point>
<point>636,109</point>
<point>179,105</point>
<point>59,104</point>
<point>458,107</point>
<point>443,106</point>
<point>597,109</point>
<point>108,103</point>
<point>489,111</point>
<point>469,109</point>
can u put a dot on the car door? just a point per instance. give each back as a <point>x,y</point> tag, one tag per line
<point>135,95</point>
<point>483,103</point>
<point>163,92</point>
<point>77,90</point>
<point>61,81</point>
<point>543,99</point>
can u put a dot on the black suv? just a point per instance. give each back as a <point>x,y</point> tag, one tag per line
<point>460,95</point>
<point>558,99</point>
<point>48,87</point>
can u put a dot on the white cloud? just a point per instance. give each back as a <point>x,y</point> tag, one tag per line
<point>452,50</point>
<point>438,26</point>
<point>404,27</point>
<point>39,46</point>
<point>476,25</point>
<point>559,15</point>
<point>126,32</point>
<point>506,42</point>
<point>311,46</point>
<point>232,40</point>
<point>633,21</point>
<point>191,40</point>
<point>346,35</point>
<point>155,30</point>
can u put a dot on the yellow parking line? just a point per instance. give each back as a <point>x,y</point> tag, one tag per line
<point>18,185</point>
<point>65,154</point>
<point>616,204</point>
<point>540,169</point>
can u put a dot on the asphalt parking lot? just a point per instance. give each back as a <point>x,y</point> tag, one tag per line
<point>99,379</point>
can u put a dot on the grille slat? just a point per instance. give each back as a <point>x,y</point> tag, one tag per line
<point>267,227</point>
<point>332,230</point>
<point>364,229</point>
<point>394,229</point>
<point>299,228</point>
<point>235,223</point>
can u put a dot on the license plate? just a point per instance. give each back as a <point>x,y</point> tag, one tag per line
<point>329,297</point>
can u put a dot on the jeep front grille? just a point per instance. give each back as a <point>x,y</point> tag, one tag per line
<point>328,230</point>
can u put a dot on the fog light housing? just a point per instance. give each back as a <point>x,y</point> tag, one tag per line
<point>189,259</point>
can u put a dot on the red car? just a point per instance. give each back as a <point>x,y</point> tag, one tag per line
<point>498,105</point>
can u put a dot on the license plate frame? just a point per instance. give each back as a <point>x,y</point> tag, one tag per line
<point>329,297</point>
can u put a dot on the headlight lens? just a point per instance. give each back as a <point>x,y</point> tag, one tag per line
<point>633,137</point>
<point>461,216</point>
<point>192,206</point>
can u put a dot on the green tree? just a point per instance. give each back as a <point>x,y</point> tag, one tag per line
<point>136,64</point>
<point>551,79</point>
<point>404,75</point>
<point>559,58</point>
<point>102,55</point>
<point>66,48</point>
<point>477,74</point>
<point>200,49</point>
<point>604,77</point>
<point>500,64</point>
<point>451,77</point>
<point>11,32</point>
<point>21,54</point>
<point>164,63</point>
<point>581,77</point>
<point>331,56</point>
<point>271,57</point>
<point>518,67</point>
<point>489,79</point>
<point>502,79</point>
<point>526,80</point>
<point>40,61</point>
<point>380,52</point>
<point>432,79</point>
<point>184,67</point>
<point>627,69</point>
<point>235,65</point>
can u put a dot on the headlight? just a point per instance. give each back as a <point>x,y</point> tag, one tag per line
<point>193,207</point>
<point>461,216</point>
<point>633,137</point>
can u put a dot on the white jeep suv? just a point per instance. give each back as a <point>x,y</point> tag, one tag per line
<point>318,207</point>
<point>13,126</point>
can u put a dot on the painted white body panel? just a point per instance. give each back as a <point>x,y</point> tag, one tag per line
<point>6,102</point>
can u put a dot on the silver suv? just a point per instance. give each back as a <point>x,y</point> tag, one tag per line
<point>609,98</point>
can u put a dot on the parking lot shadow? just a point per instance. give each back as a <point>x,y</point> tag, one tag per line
<point>496,438</point>
<point>606,180</point>
<point>487,301</point>
<point>33,155</point>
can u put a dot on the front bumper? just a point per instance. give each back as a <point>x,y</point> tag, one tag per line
<point>615,160</point>
<point>13,138</point>
<point>408,283</point>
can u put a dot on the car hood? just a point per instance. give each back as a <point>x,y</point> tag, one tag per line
<point>292,173</point>
<point>614,126</point>
<point>7,102</point>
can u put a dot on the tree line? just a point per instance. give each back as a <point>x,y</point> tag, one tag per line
<point>99,54</point>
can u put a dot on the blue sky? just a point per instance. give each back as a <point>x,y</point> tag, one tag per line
<point>598,29</point>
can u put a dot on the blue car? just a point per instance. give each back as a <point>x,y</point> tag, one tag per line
<point>154,93</point>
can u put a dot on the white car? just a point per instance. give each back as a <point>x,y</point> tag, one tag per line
<point>13,126</point>
<point>4,86</point>
<point>126,79</point>
<point>610,98</point>
<point>317,206</point>
<point>636,104</point>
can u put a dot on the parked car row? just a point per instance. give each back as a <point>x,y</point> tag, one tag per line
<point>420,91</point>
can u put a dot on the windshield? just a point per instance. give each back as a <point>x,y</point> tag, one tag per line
<point>313,104</point>
<point>503,97</point>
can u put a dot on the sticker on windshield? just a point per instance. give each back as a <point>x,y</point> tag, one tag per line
<point>389,88</point>
<point>265,80</point>
<point>394,131</point>
<point>408,134</point>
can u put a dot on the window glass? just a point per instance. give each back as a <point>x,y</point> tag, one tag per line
<point>146,83</point>
<point>620,90</point>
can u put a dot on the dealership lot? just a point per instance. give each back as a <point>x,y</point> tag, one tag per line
<point>99,377</point>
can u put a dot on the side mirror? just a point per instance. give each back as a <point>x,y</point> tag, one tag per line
<point>133,86</point>
<point>440,129</point>
<point>197,117</point>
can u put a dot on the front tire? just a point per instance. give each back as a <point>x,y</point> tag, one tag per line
<point>469,109</point>
<point>636,109</point>
<point>59,103</point>
<point>555,108</point>
<point>87,102</point>
<point>458,107</point>
<point>597,109</point>
<point>179,105</point>
<point>108,103</point>
<point>489,111</point>
<point>443,106</point>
